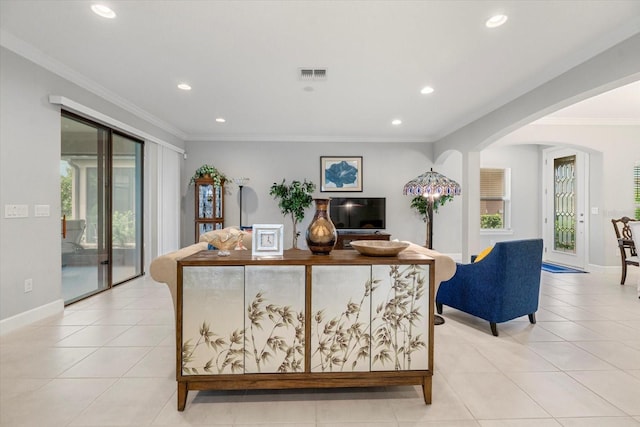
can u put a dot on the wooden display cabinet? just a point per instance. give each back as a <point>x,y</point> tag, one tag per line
<point>245,322</point>
<point>209,206</point>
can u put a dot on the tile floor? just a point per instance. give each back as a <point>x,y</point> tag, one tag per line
<point>109,360</point>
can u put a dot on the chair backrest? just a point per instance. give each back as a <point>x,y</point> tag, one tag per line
<point>623,235</point>
<point>635,232</point>
<point>519,261</point>
<point>506,283</point>
<point>512,262</point>
<point>621,227</point>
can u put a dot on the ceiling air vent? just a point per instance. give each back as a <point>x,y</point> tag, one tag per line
<point>316,74</point>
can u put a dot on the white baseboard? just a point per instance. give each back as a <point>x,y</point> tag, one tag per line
<point>28,317</point>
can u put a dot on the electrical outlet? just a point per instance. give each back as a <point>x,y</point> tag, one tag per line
<point>28,285</point>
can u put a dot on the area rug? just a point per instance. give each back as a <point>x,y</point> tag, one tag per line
<point>553,268</point>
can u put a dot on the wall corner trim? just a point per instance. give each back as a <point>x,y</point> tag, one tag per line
<point>28,317</point>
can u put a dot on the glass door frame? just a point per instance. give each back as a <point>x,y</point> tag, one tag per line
<point>105,183</point>
<point>578,258</point>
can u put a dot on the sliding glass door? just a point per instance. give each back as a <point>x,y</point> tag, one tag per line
<point>126,216</point>
<point>101,207</point>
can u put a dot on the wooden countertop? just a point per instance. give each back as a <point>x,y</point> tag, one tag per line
<point>302,257</point>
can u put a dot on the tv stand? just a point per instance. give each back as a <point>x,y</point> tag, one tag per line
<point>346,237</point>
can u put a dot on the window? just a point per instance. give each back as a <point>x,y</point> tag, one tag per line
<point>495,189</point>
<point>636,188</point>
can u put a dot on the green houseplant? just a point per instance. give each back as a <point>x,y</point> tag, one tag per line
<point>294,199</point>
<point>419,203</point>
<point>209,171</point>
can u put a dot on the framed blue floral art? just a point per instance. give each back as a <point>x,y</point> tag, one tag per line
<point>340,173</point>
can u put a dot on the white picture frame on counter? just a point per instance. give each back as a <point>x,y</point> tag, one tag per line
<point>267,240</point>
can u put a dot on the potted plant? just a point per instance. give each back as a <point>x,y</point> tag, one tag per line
<point>419,203</point>
<point>294,199</point>
<point>208,171</point>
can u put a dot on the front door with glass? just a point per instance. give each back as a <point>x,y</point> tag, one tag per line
<point>565,206</point>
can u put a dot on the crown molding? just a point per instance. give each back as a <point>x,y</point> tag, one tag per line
<point>305,138</point>
<point>33,54</point>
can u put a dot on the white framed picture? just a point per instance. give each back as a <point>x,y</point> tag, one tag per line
<point>267,240</point>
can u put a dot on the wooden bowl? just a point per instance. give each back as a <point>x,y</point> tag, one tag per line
<point>379,247</point>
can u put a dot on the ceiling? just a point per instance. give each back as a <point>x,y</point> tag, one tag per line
<point>242,60</point>
<point>621,104</point>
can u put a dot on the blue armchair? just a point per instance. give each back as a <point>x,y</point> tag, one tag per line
<point>502,286</point>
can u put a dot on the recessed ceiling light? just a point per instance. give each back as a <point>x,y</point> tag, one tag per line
<point>220,119</point>
<point>496,21</point>
<point>426,90</point>
<point>184,86</point>
<point>104,11</point>
<point>396,122</point>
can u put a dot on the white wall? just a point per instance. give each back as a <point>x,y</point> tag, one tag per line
<point>613,151</point>
<point>526,195</point>
<point>29,174</point>
<point>386,168</point>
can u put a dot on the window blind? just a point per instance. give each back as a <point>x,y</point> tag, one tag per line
<point>636,183</point>
<point>491,184</point>
<point>636,189</point>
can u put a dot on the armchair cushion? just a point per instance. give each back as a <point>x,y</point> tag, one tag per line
<point>164,268</point>
<point>503,286</point>
<point>444,265</point>
<point>483,253</point>
<point>228,238</point>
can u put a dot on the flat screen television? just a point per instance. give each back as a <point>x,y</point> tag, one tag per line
<point>358,213</point>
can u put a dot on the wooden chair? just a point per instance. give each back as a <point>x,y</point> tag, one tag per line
<point>628,254</point>
<point>635,233</point>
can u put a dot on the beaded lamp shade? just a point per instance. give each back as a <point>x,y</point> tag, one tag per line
<point>432,184</point>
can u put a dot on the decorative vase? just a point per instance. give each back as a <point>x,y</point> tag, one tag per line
<point>321,234</point>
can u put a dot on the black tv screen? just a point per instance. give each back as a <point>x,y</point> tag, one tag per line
<point>363,213</point>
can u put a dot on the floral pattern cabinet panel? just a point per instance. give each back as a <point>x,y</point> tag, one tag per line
<point>400,317</point>
<point>212,320</point>
<point>274,310</point>
<point>340,313</point>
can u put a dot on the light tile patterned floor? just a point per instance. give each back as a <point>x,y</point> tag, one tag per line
<point>110,360</point>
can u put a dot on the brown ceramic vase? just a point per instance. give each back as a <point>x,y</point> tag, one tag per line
<point>321,235</point>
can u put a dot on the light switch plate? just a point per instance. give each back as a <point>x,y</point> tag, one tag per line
<point>41,210</point>
<point>16,211</point>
